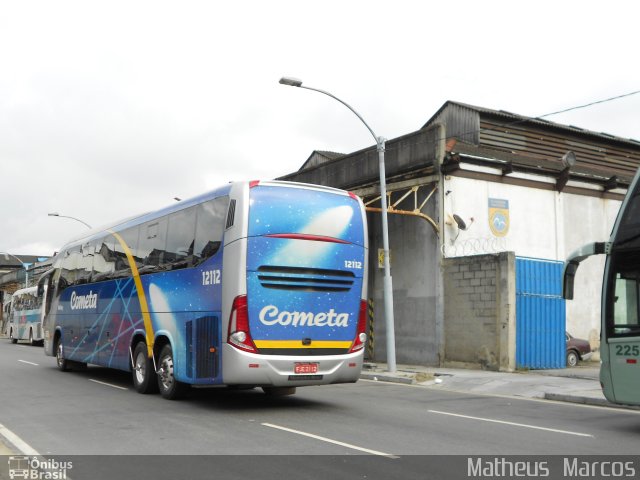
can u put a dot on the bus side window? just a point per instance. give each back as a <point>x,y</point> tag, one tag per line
<point>103,259</point>
<point>56,287</point>
<point>181,238</point>
<point>130,238</point>
<point>85,264</point>
<point>210,227</point>
<point>69,272</point>
<point>626,304</point>
<point>152,244</point>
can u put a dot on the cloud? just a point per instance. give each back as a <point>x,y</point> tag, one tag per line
<point>110,109</point>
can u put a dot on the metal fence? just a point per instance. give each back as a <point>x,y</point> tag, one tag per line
<point>540,314</point>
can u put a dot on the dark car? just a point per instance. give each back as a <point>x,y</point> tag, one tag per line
<point>578,349</point>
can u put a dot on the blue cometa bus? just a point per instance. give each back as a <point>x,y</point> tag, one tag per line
<point>253,284</point>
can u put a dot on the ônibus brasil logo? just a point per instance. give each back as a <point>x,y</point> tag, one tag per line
<point>83,302</point>
<point>270,315</point>
<point>38,468</point>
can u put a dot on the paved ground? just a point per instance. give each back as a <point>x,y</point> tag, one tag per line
<point>579,384</point>
<point>5,449</point>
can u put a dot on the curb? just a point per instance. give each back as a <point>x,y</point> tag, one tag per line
<point>560,397</point>
<point>381,377</point>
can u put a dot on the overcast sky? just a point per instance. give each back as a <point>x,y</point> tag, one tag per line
<point>108,109</point>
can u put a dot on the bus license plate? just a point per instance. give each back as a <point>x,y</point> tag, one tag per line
<point>305,368</point>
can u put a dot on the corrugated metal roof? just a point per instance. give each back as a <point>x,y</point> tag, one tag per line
<point>514,119</point>
<point>409,153</point>
<point>319,157</point>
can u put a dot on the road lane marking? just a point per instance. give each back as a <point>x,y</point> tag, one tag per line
<point>17,442</point>
<point>107,384</point>
<point>524,425</point>
<point>23,448</point>
<point>29,363</point>
<point>329,440</point>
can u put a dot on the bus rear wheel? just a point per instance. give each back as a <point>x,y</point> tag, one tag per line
<point>61,362</point>
<point>144,376</point>
<point>12,338</point>
<point>170,388</point>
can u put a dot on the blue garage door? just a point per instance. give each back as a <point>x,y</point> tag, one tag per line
<point>540,314</point>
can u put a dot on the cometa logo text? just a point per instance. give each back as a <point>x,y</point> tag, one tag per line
<point>83,302</point>
<point>270,315</point>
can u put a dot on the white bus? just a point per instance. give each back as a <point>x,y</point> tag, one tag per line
<point>25,320</point>
<point>620,314</point>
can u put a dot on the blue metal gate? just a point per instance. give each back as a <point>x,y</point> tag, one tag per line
<point>540,314</point>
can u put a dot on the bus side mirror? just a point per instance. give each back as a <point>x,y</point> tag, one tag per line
<point>573,262</point>
<point>44,279</point>
<point>568,276</point>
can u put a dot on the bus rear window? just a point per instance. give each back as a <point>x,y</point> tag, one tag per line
<point>283,210</point>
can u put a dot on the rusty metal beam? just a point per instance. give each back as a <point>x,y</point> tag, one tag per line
<point>416,212</point>
<point>411,214</point>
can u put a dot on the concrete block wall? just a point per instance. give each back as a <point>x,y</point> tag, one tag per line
<point>479,311</point>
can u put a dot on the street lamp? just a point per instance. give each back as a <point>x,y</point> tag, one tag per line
<point>26,271</point>
<point>388,286</point>
<point>56,214</point>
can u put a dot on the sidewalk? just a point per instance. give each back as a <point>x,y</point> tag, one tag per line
<point>577,385</point>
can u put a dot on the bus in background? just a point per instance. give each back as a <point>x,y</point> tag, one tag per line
<point>254,284</point>
<point>620,311</point>
<point>6,313</point>
<point>25,319</point>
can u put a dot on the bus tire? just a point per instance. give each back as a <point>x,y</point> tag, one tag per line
<point>169,387</point>
<point>11,337</point>
<point>32,342</point>
<point>144,376</point>
<point>279,391</point>
<point>61,362</point>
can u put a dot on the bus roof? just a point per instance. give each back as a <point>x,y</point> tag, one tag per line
<point>144,217</point>
<point>220,191</point>
<point>22,291</point>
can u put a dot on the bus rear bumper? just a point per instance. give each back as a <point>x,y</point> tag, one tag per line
<point>243,368</point>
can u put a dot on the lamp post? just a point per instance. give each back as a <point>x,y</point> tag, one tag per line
<point>56,214</point>
<point>26,271</point>
<point>387,285</point>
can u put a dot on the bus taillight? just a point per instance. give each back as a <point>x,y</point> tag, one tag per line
<point>361,336</point>
<point>239,333</point>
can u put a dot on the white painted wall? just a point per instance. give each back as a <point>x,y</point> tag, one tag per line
<point>543,224</point>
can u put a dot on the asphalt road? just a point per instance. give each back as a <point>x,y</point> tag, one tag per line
<point>368,429</point>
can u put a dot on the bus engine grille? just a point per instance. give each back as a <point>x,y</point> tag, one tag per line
<point>305,279</point>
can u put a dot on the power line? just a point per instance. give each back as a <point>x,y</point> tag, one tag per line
<point>590,104</point>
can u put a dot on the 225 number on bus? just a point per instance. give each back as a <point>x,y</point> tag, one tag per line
<point>628,350</point>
